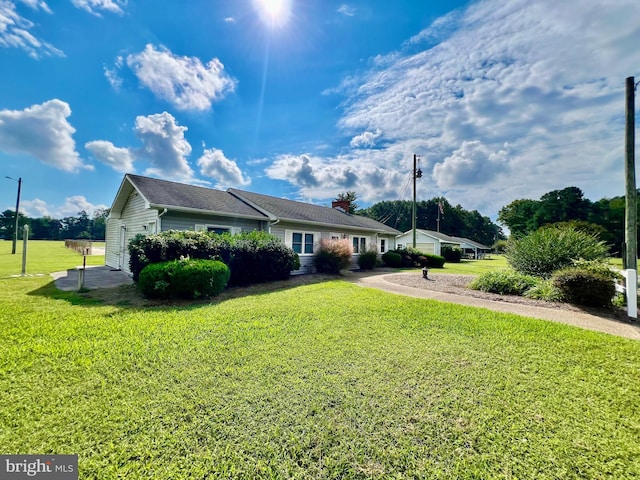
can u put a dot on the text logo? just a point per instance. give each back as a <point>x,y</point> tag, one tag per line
<point>45,467</point>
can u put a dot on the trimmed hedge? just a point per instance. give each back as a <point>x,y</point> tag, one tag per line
<point>585,287</point>
<point>392,259</point>
<point>252,257</point>
<point>184,279</point>
<point>367,260</point>
<point>451,254</point>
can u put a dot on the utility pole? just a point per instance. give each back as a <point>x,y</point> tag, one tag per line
<point>631,201</point>
<point>15,236</point>
<point>417,173</point>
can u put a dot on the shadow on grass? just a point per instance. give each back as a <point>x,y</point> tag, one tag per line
<point>129,297</point>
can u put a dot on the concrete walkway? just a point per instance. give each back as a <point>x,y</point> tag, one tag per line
<point>94,277</point>
<point>578,319</point>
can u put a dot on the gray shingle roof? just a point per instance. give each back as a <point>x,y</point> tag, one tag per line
<point>238,202</point>
<point>305,212</point>
<point>180,195</point>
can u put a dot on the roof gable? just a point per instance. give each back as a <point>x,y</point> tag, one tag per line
<point>180,196</point>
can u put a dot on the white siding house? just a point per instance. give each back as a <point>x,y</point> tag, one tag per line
<point>145,205</point>
<point>427,241</point>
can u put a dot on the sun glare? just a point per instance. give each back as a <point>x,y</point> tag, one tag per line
<point>274,13</point>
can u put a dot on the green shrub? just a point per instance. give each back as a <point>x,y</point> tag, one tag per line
<point>154,281</point>
<point>392,259</point>
<point>549,249</point>
<point>434,261</point>
<point>504,282</point>
<point>584,287</point>
<point>332,256</point>
<point>253,257</point>
<point>183,279</point>
<point>451,254</point>
<point>368,260</point>
<point>545,290</point>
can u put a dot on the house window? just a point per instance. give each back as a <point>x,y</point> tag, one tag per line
<point>302,243</point>
<point>359,244</point>
<point>218,230</point>
<point>382,245</point>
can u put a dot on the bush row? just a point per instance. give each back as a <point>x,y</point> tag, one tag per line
<point>184,278</point>
<point>252,257</point>
<point>585,283</point>
<point>410,258</point>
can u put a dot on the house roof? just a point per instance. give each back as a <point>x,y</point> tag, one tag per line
<point>166,194</point>
<point>437,235</point>
<point>305,212</point>
<point>474,244</point>
<point>237,203</point>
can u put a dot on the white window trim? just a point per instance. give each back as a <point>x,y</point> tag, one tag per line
<point>288,240</point>
<point>204,227</point>
<point>367,241</point>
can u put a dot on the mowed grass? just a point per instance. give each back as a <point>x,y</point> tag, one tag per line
<point>474,267</point>
<point>321,381</point>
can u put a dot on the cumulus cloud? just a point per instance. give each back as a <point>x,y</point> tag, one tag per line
<point>16,30</point>
<point>38,208</point>
<point>365,139</point>
<point>226,172</point>
<point>323,178</point>
<point>543,77</point>
<point>185,82</point>
<point>94,6</point>
<point>120,159</point>
<point>43,132</point>
<point>164,145</point>
<point>471,164</point>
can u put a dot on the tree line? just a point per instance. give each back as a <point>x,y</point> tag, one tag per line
<point>605,217</point>
<point>436,214</point>
<point>81,226</point>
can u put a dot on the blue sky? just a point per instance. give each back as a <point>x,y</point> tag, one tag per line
<point>305,99</point>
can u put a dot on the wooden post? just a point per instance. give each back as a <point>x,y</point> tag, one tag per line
<point>413,211</point>
<point>631,200</point>
<point>25,241</point>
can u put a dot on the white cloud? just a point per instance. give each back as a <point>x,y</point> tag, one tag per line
<point>120,159</point>
<point>471,164</point>
<point>185,82</point>
<point>543,77</point>
<point>347,10</point>
<point>230,20</point>
<point>94,6</point>
<point>35,208</point>
<point>325,177</point>
<point>42,131</point>
<point>226,172</point>
<point>77,203</point>
<point>113,74</point>
<point>165,146</point>
<point>38,208</point>
<point>15,30</point>
<point>365,139</point>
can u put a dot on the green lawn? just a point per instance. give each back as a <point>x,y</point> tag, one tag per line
<point>329,380</point>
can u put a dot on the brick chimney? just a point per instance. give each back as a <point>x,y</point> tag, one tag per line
<point>342,205</point>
